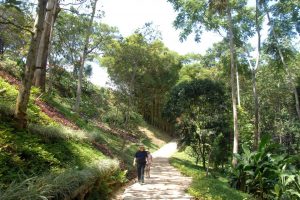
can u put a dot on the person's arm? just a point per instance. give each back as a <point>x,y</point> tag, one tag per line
<point>150,159</point>
<point>134,161</point>
<point>147,159</point>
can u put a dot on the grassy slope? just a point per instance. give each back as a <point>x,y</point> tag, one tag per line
<point>202,187</point>
<point>50,147</point>
<point>24,154</point>
<point>151,137</point>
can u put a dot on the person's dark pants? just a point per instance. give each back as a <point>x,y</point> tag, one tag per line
<point>141,170</point>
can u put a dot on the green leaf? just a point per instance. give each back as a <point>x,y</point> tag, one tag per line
<point>277,190</point>
<point>263,143</point>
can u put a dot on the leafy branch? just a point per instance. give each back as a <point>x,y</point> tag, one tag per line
<point>4,20</point>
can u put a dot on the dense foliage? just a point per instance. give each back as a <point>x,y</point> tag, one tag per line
<point>200,111</point>
<point>264,87</point>
<point>266,174</point>
<point>222,105</point>
<point>144,71</point>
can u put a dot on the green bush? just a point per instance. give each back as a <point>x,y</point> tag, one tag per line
<point>6,112</point>
<point>288,186</point>
<point>265,174</point>
<point>117,117</point>
<point>14,68</point>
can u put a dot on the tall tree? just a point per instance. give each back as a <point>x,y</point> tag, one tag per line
<point>139,67</point>
<point>233,85</point>
<point>126,60</point>
<point>254,67</point>
<point>24,91</point>
<point>289,14</point>
<point>198,109</point>
<point>84,55</point>
<point>69,36</point>
<point>201,15</point>
<point>41,62</point>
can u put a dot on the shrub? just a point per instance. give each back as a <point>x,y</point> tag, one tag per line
<point>12,67</point>
<point>6,112</point>
<point>117,117</point>
<point>288,186</point>
<point>264,173</point>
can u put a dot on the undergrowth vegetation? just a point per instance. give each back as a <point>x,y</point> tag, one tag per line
<point>24,154</point>
<point>266,173</point>
<point>68,184</point>
<point>53,161</point>
<point>213,187</point>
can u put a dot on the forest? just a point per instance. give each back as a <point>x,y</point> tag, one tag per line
<point>233,110</point>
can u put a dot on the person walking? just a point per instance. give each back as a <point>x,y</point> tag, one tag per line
<point>140,160</point>
<point>148,165</point>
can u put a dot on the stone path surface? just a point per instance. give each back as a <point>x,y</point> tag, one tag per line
<point>165,181</point>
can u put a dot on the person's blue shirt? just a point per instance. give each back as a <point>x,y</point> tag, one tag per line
<point>141,157</point>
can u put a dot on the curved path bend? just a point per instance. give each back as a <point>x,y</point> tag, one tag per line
<point>166,182</point>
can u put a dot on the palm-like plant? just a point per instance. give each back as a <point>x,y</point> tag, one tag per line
<point>265,174</point>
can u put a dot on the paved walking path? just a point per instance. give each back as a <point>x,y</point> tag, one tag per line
<point>165,182</point>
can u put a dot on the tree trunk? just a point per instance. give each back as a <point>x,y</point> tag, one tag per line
<point>208,163</point>
<point>42,55</point>
<point>255,96</point>
<point>289,75</point>
<point>51,63</point>
<point>233,89</point>
<point>256,111</point>
<point>48,37</point>
<point>50,78</point>
<point>84,55</point>
<point>24,91</point>
<point>238,85</point>
<point>160,120</point>
<point>203,159</point>
<point>254,88</point>
<point>79,84</point>
<point>156,115</point>
<point>152,112</point>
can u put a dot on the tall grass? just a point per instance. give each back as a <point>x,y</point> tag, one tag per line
<point>67,185</point>
<point>54,133</point>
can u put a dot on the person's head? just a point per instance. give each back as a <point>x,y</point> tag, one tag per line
<point>141,147</point>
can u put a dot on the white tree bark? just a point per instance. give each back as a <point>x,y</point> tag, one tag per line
<point>55,12</point>
<point>238,86</point>
<point>41,61</point>
<point>83,57</point>
<point>233,89</point>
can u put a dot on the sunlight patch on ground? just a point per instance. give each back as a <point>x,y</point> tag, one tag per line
<point>152,136</point>
<point>166,182</point>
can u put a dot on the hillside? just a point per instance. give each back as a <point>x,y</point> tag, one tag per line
<point>61,153</point>
<point>234,108</point>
